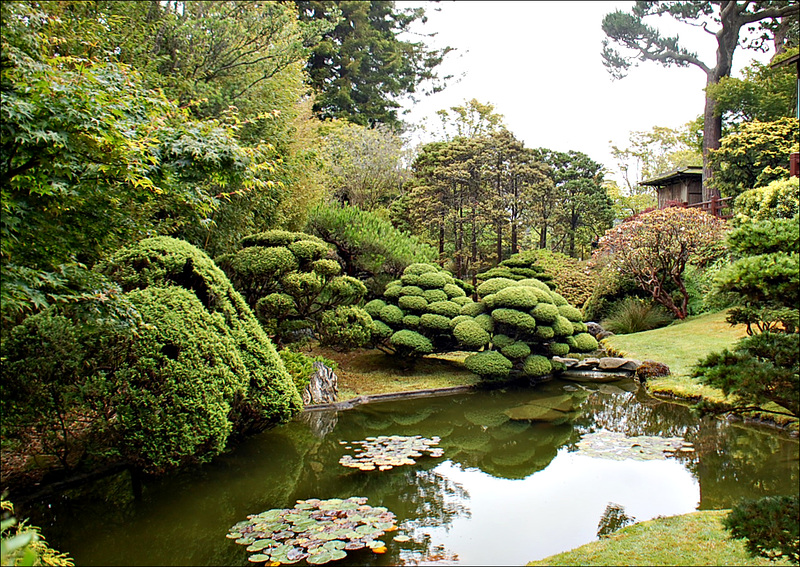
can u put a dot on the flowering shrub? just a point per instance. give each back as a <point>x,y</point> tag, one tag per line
<point>654,249</point>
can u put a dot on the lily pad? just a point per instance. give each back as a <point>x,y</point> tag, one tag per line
<point>386,452</point>
<point>618,446</point>
<point>316,530</point>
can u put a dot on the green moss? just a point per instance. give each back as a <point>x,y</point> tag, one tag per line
<point>470,335</point>
<point>545,313</point>
<point>446,308</point>
<point>412,302</point>
<point>516,350</point>
<point>488,365</point>
<point>536,365</point>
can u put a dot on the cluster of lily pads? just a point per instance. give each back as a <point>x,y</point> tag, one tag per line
<point>316,530</point>
<point>618,446</point>
<point>386,452</point>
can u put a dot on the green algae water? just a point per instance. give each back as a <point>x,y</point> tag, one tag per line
<point>504,492</point>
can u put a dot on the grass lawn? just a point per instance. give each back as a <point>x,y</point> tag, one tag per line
<point>679,346</point>
<point>691,539</point>
<point>367,372</point>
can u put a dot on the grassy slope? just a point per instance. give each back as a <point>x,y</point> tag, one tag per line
<point>679,346</point>
<point>365,372</point>
<point>691,539</point>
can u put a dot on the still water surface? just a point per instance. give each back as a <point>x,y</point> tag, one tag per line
<point>504,493</point>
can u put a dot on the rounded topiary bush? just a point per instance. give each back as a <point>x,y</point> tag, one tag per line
<point>412,302</point>
<point>501,340</point>
<point>493,285</point>
<point>411,321</point>
<point>434,295</point>
<point>579,327</point>
<point>409,342</point>
<point>559,349</point>
<point>453,291</point>
<point>558,300</point>
<point>471,335</point>
<point>380,330</point>
<point>572,313</point>
<point>473,309</point>
<point>459,319</point>
<point>345,327</point>
<point>562,327</point>
<point>489,365</point>
<point>411,290</point>
<point>516,350</point>
<point>515,319</point>
<point>420,268</point>
<point>584,342</point>
<point>374,307</point>
<point>544,332</point>
<point>437,323</point>
<point>516,297</point>
<point>433,280</point>
<point>545,313</point>
<point>446,308</point>
<point>270,395</point>
<point>486,322</point>
<point>392,315</point>
<point>536,365</point>
<point>410,279</point>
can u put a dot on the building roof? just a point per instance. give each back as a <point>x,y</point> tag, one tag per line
<point>674,175</point>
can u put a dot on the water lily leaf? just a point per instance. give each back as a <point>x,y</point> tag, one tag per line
<point>258,558</point>
<point>354,545</point>
<point>233,535</point>
<point>379,549</point>
<point>401,538</point>
<point>319,558</point>
<point>260,544</point>
<point>245,540</point>
<point>334,544</point>
<point>375,543</point>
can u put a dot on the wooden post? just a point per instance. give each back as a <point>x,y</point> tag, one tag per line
<point>794,164</point>
<point>714,204</point>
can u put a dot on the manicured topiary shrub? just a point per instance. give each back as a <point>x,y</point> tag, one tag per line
<point>410,343</point>
<point>523,265</point>
<point>569,276</point>
<point>584,342</point>
<point>470,335</point>
<point>270,395</point>
<point>197,369</point>
<point>345,327</point>
<point>302,268</point>
<point>419,303</point>
<point>515,321</point>
<point>490,365</point>
<point>536,365</point>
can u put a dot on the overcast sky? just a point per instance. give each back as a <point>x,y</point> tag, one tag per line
<point>539,64</point>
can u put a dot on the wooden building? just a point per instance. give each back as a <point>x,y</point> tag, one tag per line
<point>684,185</point>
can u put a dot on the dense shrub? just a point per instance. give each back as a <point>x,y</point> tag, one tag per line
<point>291,280</point>
<point>536,365</point>
<point>470,335</point>
<point>345,327</point>
<point>410,343</point>
<point>490,365</point>
<point>519,266</point>
<point>171,391</point>
<point>768,525</point>
<point>778,199</point>
<point>633,315</point>
<point>569,276</point>
<point>300,366</point>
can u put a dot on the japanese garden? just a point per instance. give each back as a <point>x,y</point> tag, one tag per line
<point>247,320</point>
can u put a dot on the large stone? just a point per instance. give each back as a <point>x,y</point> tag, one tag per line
<point>587,363</point>
<point>323,388</point>
<point>614,363</point>
<point>568,362</point>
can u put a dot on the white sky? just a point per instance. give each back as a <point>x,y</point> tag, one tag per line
<point>539,64</point>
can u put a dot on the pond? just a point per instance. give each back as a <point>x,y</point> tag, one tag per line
<point>504,492</point>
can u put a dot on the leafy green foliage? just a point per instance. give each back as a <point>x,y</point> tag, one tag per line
<point>633,315</point>
<point>300,366</point>
<point>294,285</point>
<point>386,452</point>
<point>777,199</point>
<point>756,154</point>
<point>489,365</point>
<point>569,276</point>
<point>23,544</point>
<point>762,367</point>
<point>655,247</point>
<point>362,65</point>
<point>367,245</point>
<point>768,525</point>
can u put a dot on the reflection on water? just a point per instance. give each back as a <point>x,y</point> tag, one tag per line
<point>507,491</point>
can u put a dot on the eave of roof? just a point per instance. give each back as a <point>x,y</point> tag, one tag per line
<point>665,178</point>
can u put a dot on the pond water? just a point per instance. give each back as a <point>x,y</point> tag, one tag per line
<point>505,491</point>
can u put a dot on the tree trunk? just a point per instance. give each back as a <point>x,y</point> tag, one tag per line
<point>499,241</point>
